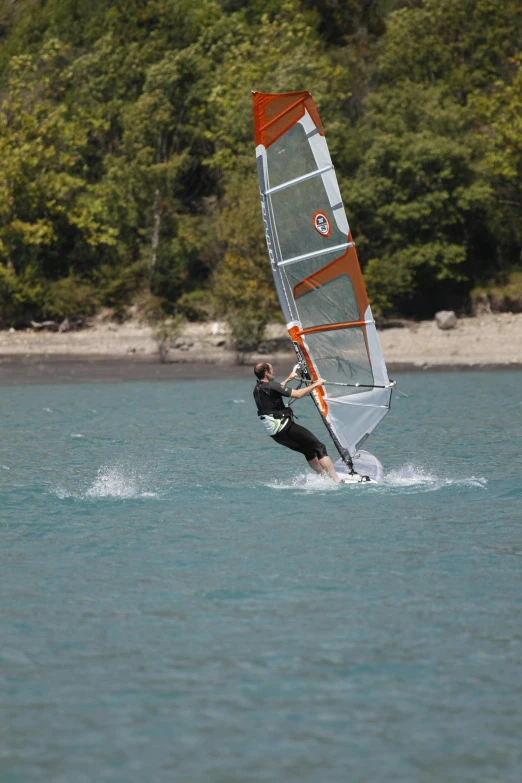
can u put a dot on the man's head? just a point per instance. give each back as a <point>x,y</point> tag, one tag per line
<point>264,370</point>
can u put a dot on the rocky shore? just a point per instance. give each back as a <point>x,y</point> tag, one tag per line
<point>117,351</point>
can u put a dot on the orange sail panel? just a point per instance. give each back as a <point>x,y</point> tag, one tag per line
<point>274,114</point>
<point>316,270</point>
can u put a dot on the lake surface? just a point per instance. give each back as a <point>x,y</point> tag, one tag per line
<point>183,600</point>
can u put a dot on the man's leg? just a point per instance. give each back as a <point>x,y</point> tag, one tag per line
<point>327,465</point>
<point>300,439</point>
<point>315,465</point>
<point>324,465</point>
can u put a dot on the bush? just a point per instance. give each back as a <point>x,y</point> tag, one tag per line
<point>119,285</point>
<point>248,329</point>
<point>21,296</point>
<point>504,295</point>
<point>165,328</point>
<point>197,306</point>
<point>69,297</point>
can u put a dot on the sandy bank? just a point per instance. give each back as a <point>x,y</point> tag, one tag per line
<point>488,340</point>
<point>485,340</point>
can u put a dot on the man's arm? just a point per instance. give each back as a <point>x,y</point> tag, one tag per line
<point>298,393</point>
<point>291,377</point>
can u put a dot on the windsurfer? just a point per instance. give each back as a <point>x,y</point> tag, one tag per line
<point>278,420</point>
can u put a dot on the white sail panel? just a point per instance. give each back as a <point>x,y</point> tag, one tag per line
<point>353,420</point>
<point>341,356</point>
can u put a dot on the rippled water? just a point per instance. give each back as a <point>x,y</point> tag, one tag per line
<point>183,601</point>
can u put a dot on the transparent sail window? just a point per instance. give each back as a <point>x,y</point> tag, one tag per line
<point>289,157</point>
<point>296,273</point>
<point>340,355</point>
<point>294,209</point>
<point>331,303</point>
<point>293,274</point>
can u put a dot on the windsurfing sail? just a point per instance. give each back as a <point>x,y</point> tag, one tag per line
<point>316,269</point>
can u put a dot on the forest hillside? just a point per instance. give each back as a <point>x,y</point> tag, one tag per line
<point>128,168</point>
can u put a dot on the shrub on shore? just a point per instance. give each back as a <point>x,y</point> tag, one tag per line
<point>504,295</point>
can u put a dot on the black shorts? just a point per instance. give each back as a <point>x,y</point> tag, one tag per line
<point>302,440</point>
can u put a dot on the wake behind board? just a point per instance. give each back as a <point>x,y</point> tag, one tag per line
<point>365,464</point>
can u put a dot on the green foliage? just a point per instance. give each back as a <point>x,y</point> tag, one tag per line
<point>199,305</point>
<point>21,296</point>
<point>247,327</point>
<point>499,130</point>
<point>243,280</point>
<point>68,297</point>
<point>117,286</point>
<point>127,150</point>
<point>503,294</point>
<point>462,45</point>
<point>28,296</point>
<point>416,198</point>
<point>45,200</point>
<point>427,191</point>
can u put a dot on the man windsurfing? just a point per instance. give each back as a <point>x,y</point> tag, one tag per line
<point>278,420</point>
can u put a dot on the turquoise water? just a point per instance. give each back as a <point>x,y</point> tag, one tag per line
<point>182,601</point>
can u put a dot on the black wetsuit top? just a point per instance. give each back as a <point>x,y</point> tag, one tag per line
<point>269,397</point>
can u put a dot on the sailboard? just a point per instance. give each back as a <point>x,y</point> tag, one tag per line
<point>317,274</point>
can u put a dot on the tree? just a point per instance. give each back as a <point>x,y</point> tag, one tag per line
<point>46,204</point>
<point>499,129</point>
<point>420,197</point>
<point>417,200</point>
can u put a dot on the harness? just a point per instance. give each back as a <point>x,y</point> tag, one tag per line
<point>275,421</point>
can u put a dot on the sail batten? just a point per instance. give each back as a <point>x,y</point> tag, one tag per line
<point>315,255</point>
<point>316,270</point>
<point>297,180</point>
<point>329,327</point>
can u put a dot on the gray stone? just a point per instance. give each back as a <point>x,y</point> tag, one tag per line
<point>446,319</point>
<point>217,328</point>
<point>182,343</point>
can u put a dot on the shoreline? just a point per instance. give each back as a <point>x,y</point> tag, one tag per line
<point>49,369</point>
<point>108,352</point>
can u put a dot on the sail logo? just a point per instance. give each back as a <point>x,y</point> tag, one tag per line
<point>322,224</point>
<point>319,402</point>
